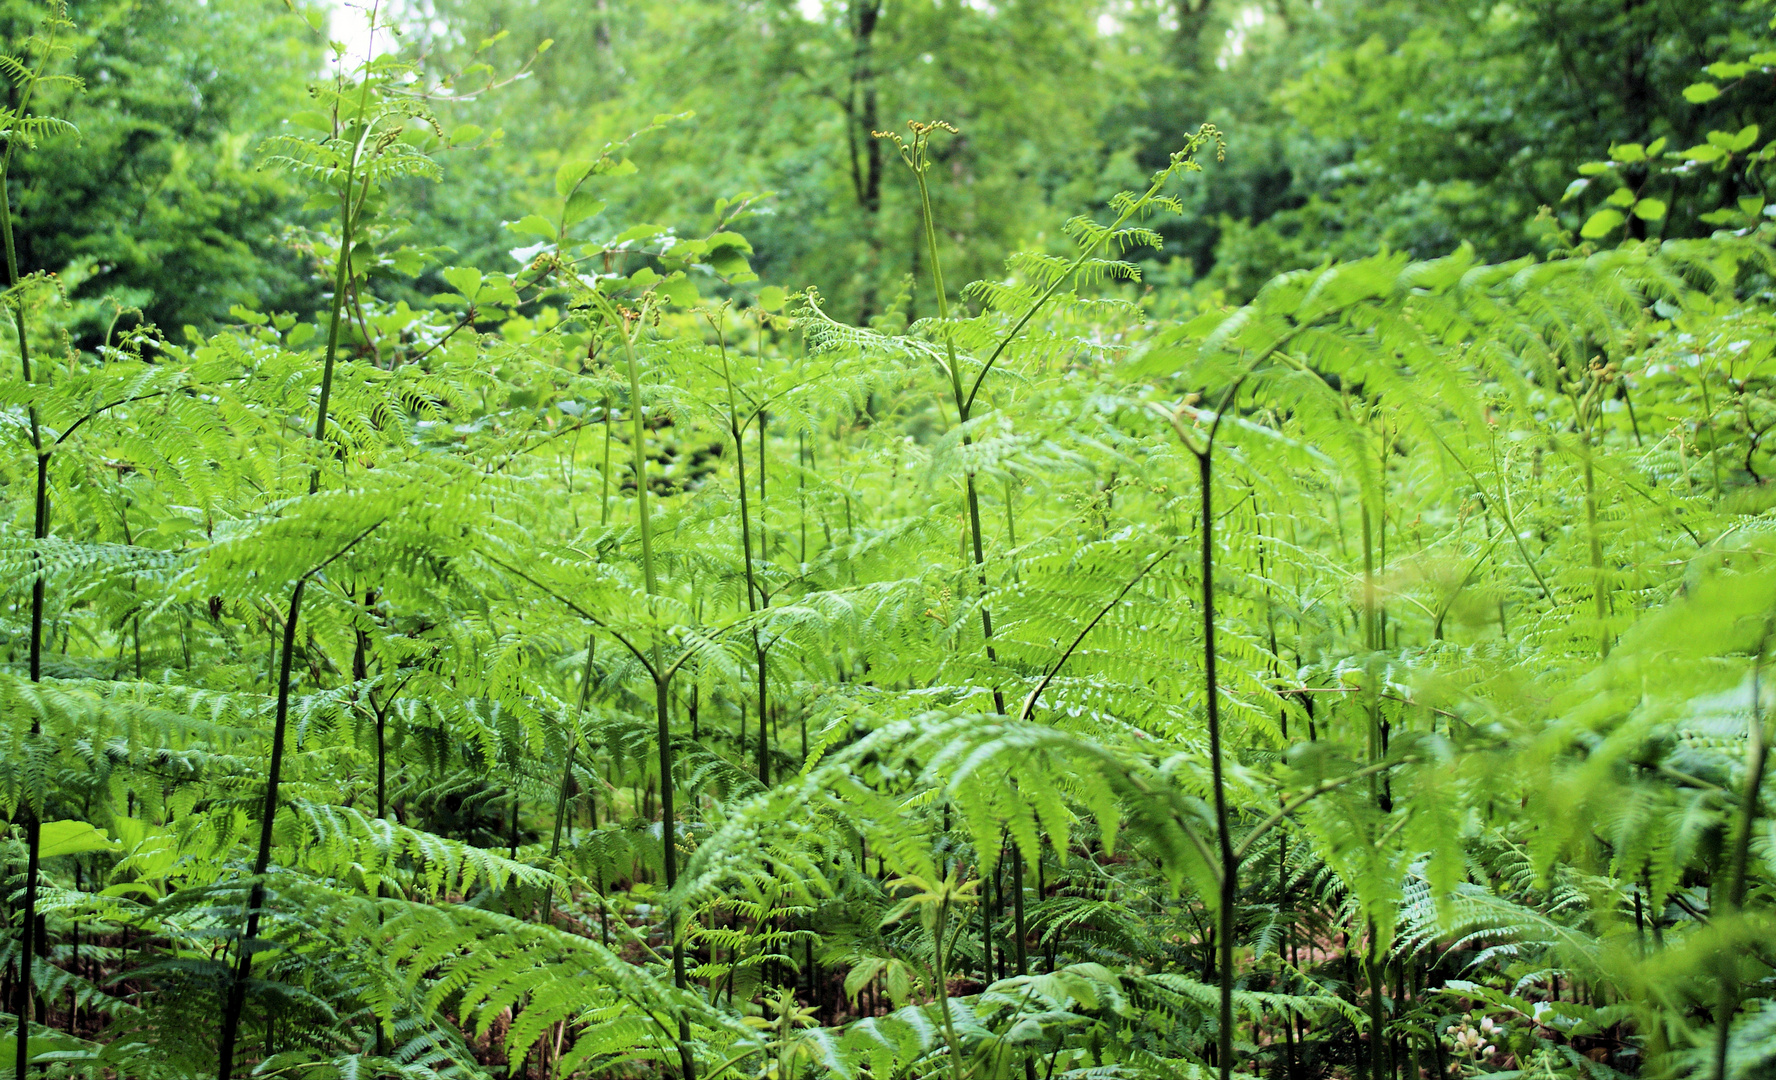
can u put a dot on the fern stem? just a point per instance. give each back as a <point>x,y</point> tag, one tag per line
<point>761,653</point>
<point>1734,888</point>
<point>342,271</point>
<point>754,592</point>
<point>573,743</point>
<point>662,680</point>
<point>604,497</point>
<point>237,989</point>
<point>1229,883</point>
<point>39,531</point>
<point>1599,581</point>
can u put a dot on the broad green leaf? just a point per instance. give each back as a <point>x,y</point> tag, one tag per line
<point>1722,69</point>
<point>1649,209</point>
<point>72,838</point>
<point>571,174</point>
<point>1704,152</point>
<point>771,297</point>
<point>729,240</point>
<point>1628,153</point>
<point>639,232</point>
<point>1697,93</point>
<point>1602,223</point>
<point>1744,139</point>
<point>580,206</point>
<point>467,133</point>
<point>408,262</point>
<point>1622,197</point>
<point>464,279</point>
<point>535,225</point>
<point>679,290</point>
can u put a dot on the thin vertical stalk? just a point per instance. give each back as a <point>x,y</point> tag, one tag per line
<point>964,408</point>
<point>662,684</point>
<point>754,592</point>
<point>1223,825</point>
<point>604,498</point>
<point>237,990</point>
<point>1733,891</point>
<point>573,743</point>
<point>1599,584</point>
<point>39,531</point>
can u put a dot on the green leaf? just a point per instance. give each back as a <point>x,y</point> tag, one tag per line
<point>72,838</point>
<point>639,232</point>
<point>1704,152</point>
<point>298,335</point>
<point>1722,69</point>
<point>1628,153</point>
<point>729,263</point>
<point>1697,93</point>
<point>580,206</point>
<point>535,225</point>
<point>467,133</point>
<point>680,291</point>
<point>408,262</point>
<point>771,297</point>
<point>464,279</point>
<point>1623,197</point>
<point>1649,209</point>
<point>1594,168</point>
<point>612,167</point>
<point>1744,140</point>
<point>729,240</point>
<point>1602,224</point>
<point>497,289</point>
<point>571,175</point>
<point>1656,147</point>
<point>1751,205</point>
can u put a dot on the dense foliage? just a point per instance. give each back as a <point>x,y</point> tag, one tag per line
<point>1270,625</point>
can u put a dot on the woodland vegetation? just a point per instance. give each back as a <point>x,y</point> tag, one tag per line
<point>873,539</point>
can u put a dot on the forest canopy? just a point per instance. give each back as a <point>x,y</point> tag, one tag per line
<point>888,539</point>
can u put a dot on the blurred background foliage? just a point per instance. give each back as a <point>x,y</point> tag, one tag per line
<point>1354,125</point>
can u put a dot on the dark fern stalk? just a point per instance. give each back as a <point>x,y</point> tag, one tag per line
<point>914,154</point>
<point>237,989</point>
<point>17,124</point>
<point>1229,858</point>
<point>754,593</point>
<point>341,276</point>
